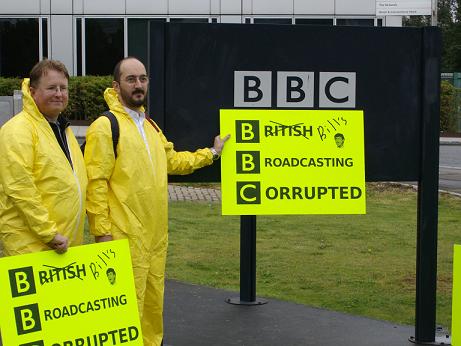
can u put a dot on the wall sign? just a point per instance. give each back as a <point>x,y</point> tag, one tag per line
<point>293,162</point>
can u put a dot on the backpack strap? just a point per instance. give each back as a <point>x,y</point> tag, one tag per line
<point>115,129</point>
<point>154,125</point>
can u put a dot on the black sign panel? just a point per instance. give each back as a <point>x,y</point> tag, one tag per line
<point>197,69</point>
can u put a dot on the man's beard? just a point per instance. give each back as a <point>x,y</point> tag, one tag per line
<point>134,103</point>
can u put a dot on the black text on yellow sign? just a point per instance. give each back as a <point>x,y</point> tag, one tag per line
<point>293,162</point>
<point>70,299</point>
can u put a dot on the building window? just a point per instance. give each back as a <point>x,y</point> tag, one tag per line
<point>379,22</point>
<point>78,48</point>
<point>44,37</point>
<point>138,37</point>
<point>272,20</point>
<point>189,20</point>
<point>19,46</point>
<point>355,22</point>
<point>103,45</point>
<point>314,21</point>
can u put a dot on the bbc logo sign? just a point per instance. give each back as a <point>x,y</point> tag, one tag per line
<point>294,89</point>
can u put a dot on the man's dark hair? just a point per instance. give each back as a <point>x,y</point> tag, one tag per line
<point>339,135</point>
<point>117,68</point>
<point>110,270</point>
<point>41,69</point>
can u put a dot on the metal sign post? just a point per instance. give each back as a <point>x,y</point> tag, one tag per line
<point>247,263</point>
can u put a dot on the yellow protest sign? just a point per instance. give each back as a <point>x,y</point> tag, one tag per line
<point>81,298</point>
<point>456,299</point>
<point>293,162</point>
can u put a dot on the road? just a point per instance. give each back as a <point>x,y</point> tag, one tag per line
<point>450,168</point>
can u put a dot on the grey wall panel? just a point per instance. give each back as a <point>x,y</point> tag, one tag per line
<point>189,7</point>
<point>231,6</point>
<point>272,7</point>
<point>61,6</point>
<point>20,7</point>
<point>314,7</point>
<point>78,6</point>
<point>6,109</point>
<point>45,7</point>
<point>62,40</point>
<point>158,7</point>
<point>231,19</point>
<point>104,7</point>
<point>393,21</point>
<point>354,7</point>
<point>215,7</point>
<point>247,7</point>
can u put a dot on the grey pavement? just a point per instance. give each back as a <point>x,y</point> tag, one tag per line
<point>190,193</point>
<point>450,166</point>
<point>199,316</point>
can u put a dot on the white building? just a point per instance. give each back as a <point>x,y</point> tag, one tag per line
<point>90,36</point>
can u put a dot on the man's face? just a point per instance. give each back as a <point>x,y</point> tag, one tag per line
<point>132,88</point>
<point>111,277</point>
<point>339,141</point>
<point>51,93</point>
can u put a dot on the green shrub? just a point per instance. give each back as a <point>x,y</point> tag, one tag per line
<point>448,107</point>
<point>9,85</point>
<point>86,97</point>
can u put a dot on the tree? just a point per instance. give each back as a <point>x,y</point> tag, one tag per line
<point>449,22</point>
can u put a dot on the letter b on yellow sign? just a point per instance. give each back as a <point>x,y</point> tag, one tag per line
<point>22,281</point>
<point>247,131</point>
<point>247,162</point>
<point>27,319</point>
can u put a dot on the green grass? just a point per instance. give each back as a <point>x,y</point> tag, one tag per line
<point>360,264</point>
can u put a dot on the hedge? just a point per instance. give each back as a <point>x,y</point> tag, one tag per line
<point>449,104</point>
<point>86,100</point>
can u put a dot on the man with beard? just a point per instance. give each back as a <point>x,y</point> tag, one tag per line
<point>127,196</point>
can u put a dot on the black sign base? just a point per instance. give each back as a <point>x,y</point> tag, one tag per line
<point>442,337</point>
<point>237,301</point>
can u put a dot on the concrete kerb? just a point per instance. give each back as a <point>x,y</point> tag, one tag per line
<point>450,140</point>
<point>415,187</point>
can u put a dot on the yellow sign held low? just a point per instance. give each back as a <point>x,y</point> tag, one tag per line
<point>456,298</point>
<point>293,162</point>
<point>83,297</point>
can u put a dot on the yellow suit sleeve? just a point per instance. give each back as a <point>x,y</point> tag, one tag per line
<point>185,162</point>
<point>100,161</point>
<point>17,161</point>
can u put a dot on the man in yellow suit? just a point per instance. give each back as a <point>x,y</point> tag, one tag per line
<point>127,196</point>
<point>42,172</point>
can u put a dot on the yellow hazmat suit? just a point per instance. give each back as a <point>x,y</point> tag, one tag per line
<point>127,198</point>
<point>40,193</point>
